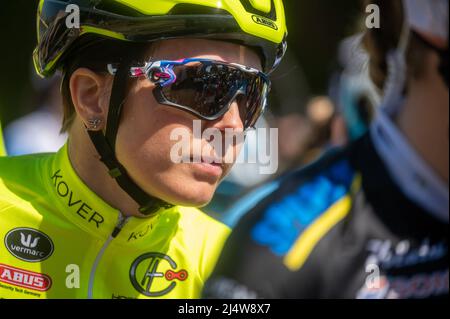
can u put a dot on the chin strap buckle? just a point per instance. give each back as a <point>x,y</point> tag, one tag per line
<point>115,172</point>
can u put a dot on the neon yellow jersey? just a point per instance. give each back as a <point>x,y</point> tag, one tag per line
<point>60,240</point>
<point>2,145</point>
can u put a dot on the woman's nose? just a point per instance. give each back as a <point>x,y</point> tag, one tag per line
<point>231,119</point>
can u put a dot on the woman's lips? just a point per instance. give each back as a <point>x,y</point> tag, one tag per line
<point>210,165</point>
<point>212,169</point>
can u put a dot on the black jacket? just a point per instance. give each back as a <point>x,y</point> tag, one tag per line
<point>339,228</point>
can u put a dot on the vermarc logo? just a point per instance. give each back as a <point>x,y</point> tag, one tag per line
<point>29,244</point>
<point>26,241</point>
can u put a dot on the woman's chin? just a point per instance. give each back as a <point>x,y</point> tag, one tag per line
<point>195,200</point>
<point>193,197</point>
<point>183,190</point>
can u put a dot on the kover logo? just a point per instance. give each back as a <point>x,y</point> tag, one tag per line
<point>144,274</point>
<point>28,244</point>
<point>264,21</point>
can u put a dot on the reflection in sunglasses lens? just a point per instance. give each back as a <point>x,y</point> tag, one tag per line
<point>207,88</point>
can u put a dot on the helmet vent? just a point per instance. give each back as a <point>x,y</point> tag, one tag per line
<point>118,8</point>
<point>185,8</point>
<point>272,15</point>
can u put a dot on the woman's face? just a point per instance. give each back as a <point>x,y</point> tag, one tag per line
<point>144,142</point>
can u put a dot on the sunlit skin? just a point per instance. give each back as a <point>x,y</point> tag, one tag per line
<point>143,140</point>
<point>424,118</point>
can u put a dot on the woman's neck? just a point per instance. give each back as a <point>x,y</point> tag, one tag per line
<point>94,173</point>
<point>423,119</point>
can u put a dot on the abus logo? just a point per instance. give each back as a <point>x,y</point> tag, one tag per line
<point>144,272</point>
<point>264,21</point>
<point>24,278</point>
<point>28,244</point>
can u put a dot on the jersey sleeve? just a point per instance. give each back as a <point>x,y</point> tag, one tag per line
<point>2,145</point>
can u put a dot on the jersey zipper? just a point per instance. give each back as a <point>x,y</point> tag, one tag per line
<point>120,223</point>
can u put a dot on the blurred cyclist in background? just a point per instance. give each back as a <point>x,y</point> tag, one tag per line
<point>369,220</point>
<point>353,92</point>
<point>39,131</point>
<point>111,205</point>
<point>2,146</point>
<point>305,135</point>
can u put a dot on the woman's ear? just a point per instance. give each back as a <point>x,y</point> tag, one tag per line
<point>90,96</point>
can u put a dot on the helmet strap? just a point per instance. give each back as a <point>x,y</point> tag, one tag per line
<point>396,72</point>
<point>105,146</point>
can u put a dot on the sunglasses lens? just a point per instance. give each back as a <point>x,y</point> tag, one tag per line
<point>257,93</point>
<point>207,89</point>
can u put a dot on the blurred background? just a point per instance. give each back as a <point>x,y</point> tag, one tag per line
<point>321,96</point>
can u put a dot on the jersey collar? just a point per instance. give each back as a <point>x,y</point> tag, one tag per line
<point>78,203</point>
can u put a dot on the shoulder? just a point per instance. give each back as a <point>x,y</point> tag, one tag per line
<point>202,227</point>
<point>21,178</point>
<point>2,144</point>
<point>278,236</point>
<point>334,169</point>
<point>204,236</point>
<point>191,215</point>
<point>23,167</point>
<point>302,207</point>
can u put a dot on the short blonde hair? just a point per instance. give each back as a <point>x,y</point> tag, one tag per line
<point>95,55</point>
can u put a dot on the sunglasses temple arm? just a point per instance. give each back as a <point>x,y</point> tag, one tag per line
<point>134,71</point>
